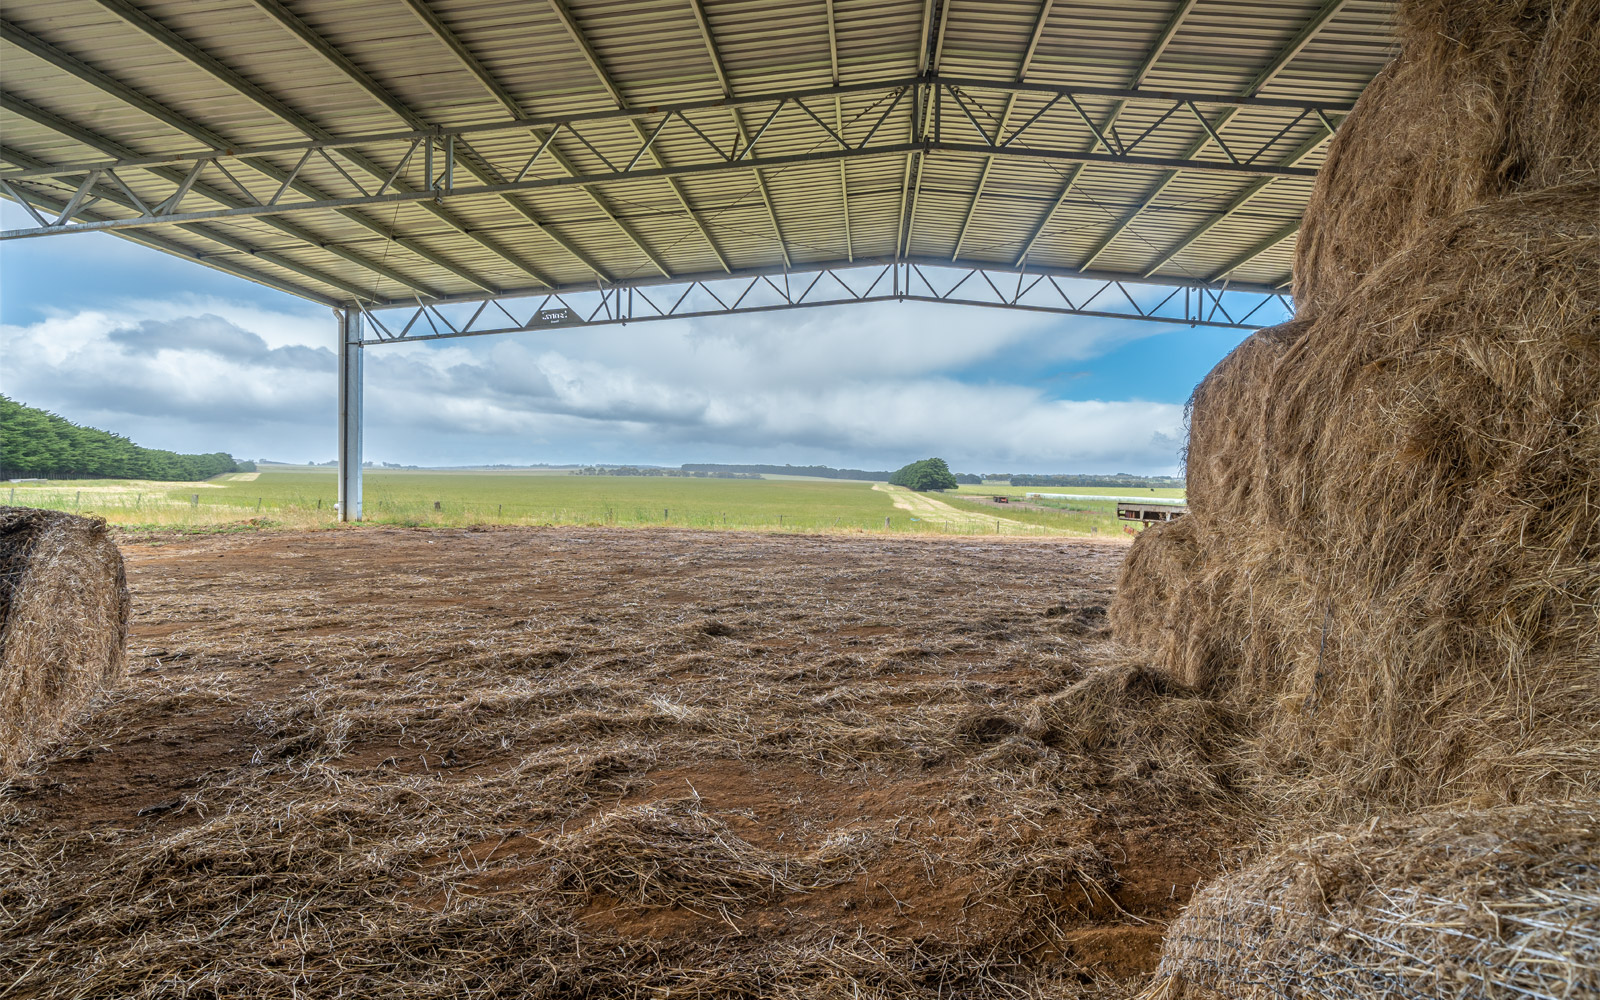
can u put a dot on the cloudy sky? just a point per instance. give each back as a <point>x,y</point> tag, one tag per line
<point>177,356</point>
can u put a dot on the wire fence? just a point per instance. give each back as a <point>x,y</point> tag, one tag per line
<point>214,506</point>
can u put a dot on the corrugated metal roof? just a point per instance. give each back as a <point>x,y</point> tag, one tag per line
<point>91,82</point>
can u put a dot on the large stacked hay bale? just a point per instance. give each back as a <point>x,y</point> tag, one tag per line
<point>63,622</point>
<point>1487,98</point>
<point>1478,903</point>
<point>1434,459</point>
<point>1391,570</point>
<point>1393,560</point>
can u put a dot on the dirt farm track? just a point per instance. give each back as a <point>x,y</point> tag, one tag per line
<point>596,763</point>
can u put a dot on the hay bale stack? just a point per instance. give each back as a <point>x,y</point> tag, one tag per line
<point>1431,470</point>
<point>1391,570</point>
<point>1393,561</point>
<point>63,623</point>
<point>1414,555</point>
<point>1487,98</point>
<point>1485,903</point>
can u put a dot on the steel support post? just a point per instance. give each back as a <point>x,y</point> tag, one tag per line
<point>349,414</point>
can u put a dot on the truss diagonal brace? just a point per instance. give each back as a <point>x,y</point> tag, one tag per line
<point>478,190</point>
<point>758,293</point>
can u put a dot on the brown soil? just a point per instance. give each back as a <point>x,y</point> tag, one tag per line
<point>620,731</point>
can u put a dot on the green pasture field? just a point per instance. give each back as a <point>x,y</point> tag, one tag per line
<point>304,497</point>
<point>1085,517</point>
<point>474,497</point>
<point>1072,516</point>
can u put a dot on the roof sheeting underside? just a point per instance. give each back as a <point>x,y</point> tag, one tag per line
<point>120,79</point>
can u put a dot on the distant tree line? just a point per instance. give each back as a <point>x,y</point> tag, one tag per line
<point>819,471</point>
<point>685,473</point>
<point>813,471</point>
<point>38,444</point>
<point>1120,479</point>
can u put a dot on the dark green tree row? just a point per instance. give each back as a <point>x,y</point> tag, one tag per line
<point>819,471</point>
<point>629,470</point>
<point>928,474</point>
<point>1120,479</point>
<point>38,444</point>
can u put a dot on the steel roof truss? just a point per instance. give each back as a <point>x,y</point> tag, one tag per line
<point>598,66</point>
<point>467,60</point>
<point>892,91</point>
<point>444,185</point>
<point>828,286</point>
<point>1239,201</point>
<point>445,193</point>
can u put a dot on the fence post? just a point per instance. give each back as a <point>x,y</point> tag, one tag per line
<point>886,524</point>
<point>258,505</point>
<point>194,500</point>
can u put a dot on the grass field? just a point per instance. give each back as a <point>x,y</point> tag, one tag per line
<point>1077,517</point>
<point>305,497</point>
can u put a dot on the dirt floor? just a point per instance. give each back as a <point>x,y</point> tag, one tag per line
<point>594,763</point>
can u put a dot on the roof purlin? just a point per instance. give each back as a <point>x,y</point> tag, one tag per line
<point>1285,55</point>
<point>80,134</point>
<point>176,43</point>
<point>593,59</point>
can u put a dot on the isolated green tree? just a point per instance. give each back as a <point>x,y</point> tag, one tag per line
<point>928,474</point>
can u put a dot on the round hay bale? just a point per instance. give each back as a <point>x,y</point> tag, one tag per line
<point>1163,606</point>
<point>63,623</point>
<point>1226,424</point>
<point>1487,98</point>
<point>1486,903</point>
<point>1212,606</point>
<point>1433,458</point>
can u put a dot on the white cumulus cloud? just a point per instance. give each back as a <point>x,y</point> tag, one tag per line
<point>869,387</point>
